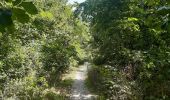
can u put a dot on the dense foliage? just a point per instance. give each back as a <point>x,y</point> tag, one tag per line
<point>131,45</point>
<point>37,44</point>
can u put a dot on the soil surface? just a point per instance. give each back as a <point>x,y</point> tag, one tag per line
<point>79,90</point>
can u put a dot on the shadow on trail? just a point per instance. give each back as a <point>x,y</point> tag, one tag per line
<point>79,90</point>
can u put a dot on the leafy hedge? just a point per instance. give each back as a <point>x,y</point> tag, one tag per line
<point>132,36</point>
<point>37,45</point>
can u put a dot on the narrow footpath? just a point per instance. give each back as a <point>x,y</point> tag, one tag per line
<point>79,90</point>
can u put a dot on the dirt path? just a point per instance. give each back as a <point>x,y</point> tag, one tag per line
<point>79,90</point>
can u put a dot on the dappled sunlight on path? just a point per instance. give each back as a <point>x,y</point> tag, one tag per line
<point>79,90</point>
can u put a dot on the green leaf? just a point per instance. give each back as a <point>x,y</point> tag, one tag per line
<point>29,7</point>
<point>168,1</point>
<point>16,2</point>
<point>168,27</point>
<point>8,1</point>
<point>132,19</point>
<point>46,14</point>
<point>20,15</point>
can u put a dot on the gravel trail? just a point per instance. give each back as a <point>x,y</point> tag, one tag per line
<point>79,90</point>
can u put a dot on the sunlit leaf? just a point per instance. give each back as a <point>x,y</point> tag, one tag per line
<point>132,19</point>
<point>16,2</point>
<point>46,14</point>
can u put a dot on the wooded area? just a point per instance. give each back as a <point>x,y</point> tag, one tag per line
<point>127,43</point>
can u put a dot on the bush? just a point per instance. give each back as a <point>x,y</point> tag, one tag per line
<point>26,88</point>
<point>112,84</point>
<point>51,94</point>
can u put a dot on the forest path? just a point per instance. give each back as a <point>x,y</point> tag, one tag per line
<point>79,90</point>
